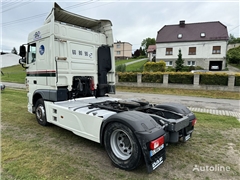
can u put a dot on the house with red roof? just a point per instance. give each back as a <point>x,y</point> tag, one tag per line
<point>151,51</point>
<point>202,44</point>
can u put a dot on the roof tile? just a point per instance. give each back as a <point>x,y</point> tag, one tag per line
<point>214,31</point>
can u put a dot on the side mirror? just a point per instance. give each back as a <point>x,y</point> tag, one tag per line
<point>22,51</point>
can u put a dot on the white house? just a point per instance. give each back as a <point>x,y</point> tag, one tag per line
<point>151,51</point>
<point>202,44</point>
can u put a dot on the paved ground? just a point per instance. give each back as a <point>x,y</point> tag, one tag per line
<point>224,107</point>
<point>233,69</point>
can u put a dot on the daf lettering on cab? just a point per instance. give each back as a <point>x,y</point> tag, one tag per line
<point>70,70</point>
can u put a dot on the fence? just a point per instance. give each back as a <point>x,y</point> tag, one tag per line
<point>195,85</point>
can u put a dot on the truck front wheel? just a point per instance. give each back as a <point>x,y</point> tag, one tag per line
<point>122,146</point>
<point>41,112</point>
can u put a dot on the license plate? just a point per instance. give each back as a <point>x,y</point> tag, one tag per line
<point>187,137</point>
<point>155,151</point>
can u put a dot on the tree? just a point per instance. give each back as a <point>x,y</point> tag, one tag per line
<point>179,62</point>
<point>136,53</point>
<point>233,55</point>
<point>233,40</point>
<point>14,51</point>
<point>142,52</point>
<point>146,42</point>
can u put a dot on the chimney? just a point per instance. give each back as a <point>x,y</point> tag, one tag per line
<point>182,23</point>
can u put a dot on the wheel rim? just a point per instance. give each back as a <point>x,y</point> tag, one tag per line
<point>121,144</point>
<point>40,112</point>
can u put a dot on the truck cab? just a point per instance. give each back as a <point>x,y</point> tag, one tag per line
<point>70,56</point>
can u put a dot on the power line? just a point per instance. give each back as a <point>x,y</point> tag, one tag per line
<point>17,6</point>
<point>8,4</point>
<point>44,14</point>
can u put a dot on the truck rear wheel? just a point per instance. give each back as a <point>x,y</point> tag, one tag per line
<point>41,112</point>
<point>122,146</point>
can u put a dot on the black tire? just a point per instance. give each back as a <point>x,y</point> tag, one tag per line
<point>122,146</point>
<point>41,112</point>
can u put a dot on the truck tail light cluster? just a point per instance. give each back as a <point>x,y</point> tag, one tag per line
<point>194,122</point>
<point>156,143</point>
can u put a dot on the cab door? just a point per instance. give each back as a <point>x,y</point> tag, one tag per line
<point>31,64</point>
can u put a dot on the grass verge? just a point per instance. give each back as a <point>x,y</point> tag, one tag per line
<point>182,92</point>
<point>136,67</point>
<point>14,74</point>
<point>30,151</point>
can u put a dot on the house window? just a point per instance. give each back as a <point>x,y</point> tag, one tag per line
<point>216,50</point>
<point>191,63</point>
<point>169,63</point>
<point>118,45</point>
<point>169,51</point>
<point>118,52</point>
<point>192,51</point>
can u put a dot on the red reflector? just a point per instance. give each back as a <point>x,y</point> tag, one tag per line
<point>156,143</point>
<point>92,85</point>
<point>194,122</point>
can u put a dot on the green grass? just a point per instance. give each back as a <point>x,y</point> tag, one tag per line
<point>136,67</point>
<point>32,152</point>
<point>15,74</point>
<point>119,62</point>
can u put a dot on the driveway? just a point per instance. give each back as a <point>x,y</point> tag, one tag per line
<point>232,69</point>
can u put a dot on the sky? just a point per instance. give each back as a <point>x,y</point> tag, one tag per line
<point>132,21</point>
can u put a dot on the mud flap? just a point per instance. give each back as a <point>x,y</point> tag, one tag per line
<point>156,160</point>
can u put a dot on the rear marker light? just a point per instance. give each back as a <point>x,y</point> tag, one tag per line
<point>91,84</point>
<point>156,143</point>
<point>194,122</point>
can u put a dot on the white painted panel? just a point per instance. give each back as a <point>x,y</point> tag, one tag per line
<point>80,34</point>
<point>83,67</point>
<point>62,64</point>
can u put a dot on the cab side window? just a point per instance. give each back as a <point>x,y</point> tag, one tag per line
<point>31,53</point>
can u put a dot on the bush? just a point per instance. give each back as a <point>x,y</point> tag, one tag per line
<point>214,79</point>
<point>199,68</point>
<point>237,79</point>
<point>121,68</point>
<point>170,69</point>
<point>185,69</point>
<point>156,77</point>
<point>180,78</point>
<point>154,59</point>
<point>191,68</point>
<point>155,67</point>
<point>127,77</point>
<point>233,55</point>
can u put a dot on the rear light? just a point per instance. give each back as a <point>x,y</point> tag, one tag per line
<point>194,122</point>
<point>156,143</point>
<point>91,84</point>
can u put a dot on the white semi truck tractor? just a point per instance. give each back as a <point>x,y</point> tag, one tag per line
<point>70,70</point>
